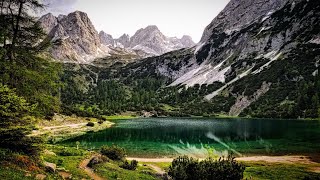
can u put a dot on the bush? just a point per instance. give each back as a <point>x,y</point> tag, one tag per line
<point>90,124</point>
<point>130,166</point>
<point>114,152</point>
<point>185,168</point>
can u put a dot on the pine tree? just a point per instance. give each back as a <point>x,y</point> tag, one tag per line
<point>21,66</point>
<point>25,76</point>
<point>15,124</point>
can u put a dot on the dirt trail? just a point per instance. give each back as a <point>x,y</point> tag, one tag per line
<point>65,175</point>
<point>315,169</point>
<point>150,159</point>
<point>279,159</point>
<point>157,169</point>
<point>271,159</point>
<point>84,165</point>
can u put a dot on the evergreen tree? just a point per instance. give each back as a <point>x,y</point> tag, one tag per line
<point>21,66</point>
<point>25,76</point>
<point>15,124</point>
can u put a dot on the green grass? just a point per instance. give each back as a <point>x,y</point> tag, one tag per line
<point>117,117</point>
<point>163,165</point>
<point>263,170</point>
<point>69,163</point>
<point>168,108</point>
<point>111,170</point>
<point>7,173</point>
<point>108,170</point>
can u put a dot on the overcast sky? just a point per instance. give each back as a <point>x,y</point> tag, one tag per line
<point>116,17</point>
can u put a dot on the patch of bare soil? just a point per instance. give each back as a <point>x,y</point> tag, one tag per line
<point>84,165</point>
<point>279,159</point>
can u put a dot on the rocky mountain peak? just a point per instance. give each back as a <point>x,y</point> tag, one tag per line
<point>151,40</point>
<point>124,41</point>
<point>151,28</point>
<point>187,41</point>
<point>80,41</point>
<point>61,16</point>
<point>238,13</point>
<point>48,22</point>
<point>106,39</point>
<point>80,28</point>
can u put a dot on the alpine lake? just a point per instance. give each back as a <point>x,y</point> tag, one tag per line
<point>200,137</point>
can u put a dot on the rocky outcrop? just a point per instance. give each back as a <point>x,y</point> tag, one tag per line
<point>123,41</point>
<point>97,159</point>
<point>106,39</point>
<point>244,101</point>
<point>50,167</point>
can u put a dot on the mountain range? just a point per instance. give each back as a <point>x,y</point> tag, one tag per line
<point>256,58</point>
<point>75,39</point>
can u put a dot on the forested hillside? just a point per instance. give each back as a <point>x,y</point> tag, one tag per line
<point>268,68</point>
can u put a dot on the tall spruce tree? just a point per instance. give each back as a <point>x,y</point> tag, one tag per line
<point>21,66</point>
<point>25,76</point>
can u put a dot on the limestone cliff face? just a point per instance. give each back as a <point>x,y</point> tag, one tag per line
<point>74,37</point>
<point>48,22</point>
<point>248,35</point>
<point>106,39</point>
<point>239,13</point>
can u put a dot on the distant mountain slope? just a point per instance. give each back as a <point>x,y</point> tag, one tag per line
<point>260,53</point>
<point>75,39</point>
<point>256,58</point>
<point>149,39</point>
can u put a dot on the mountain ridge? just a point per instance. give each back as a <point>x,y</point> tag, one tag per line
<point>78,40</point>
<point>264,66</point>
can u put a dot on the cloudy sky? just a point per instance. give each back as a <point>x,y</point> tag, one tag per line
<point>116,17</point>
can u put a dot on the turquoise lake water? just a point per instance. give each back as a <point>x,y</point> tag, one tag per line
<point>166,137</point>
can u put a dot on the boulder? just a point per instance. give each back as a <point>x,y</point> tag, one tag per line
<point>96,160</point>
<point>50,167</point>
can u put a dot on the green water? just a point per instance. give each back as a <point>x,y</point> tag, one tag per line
<point>198,137</point>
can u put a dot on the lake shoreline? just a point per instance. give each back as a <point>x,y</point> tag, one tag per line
<point>303,159</point>
<point>62,127</point>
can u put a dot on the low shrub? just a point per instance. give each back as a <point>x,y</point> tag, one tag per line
<point>113,152</point>
<point>185,168</point>
<point>130,166</point>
